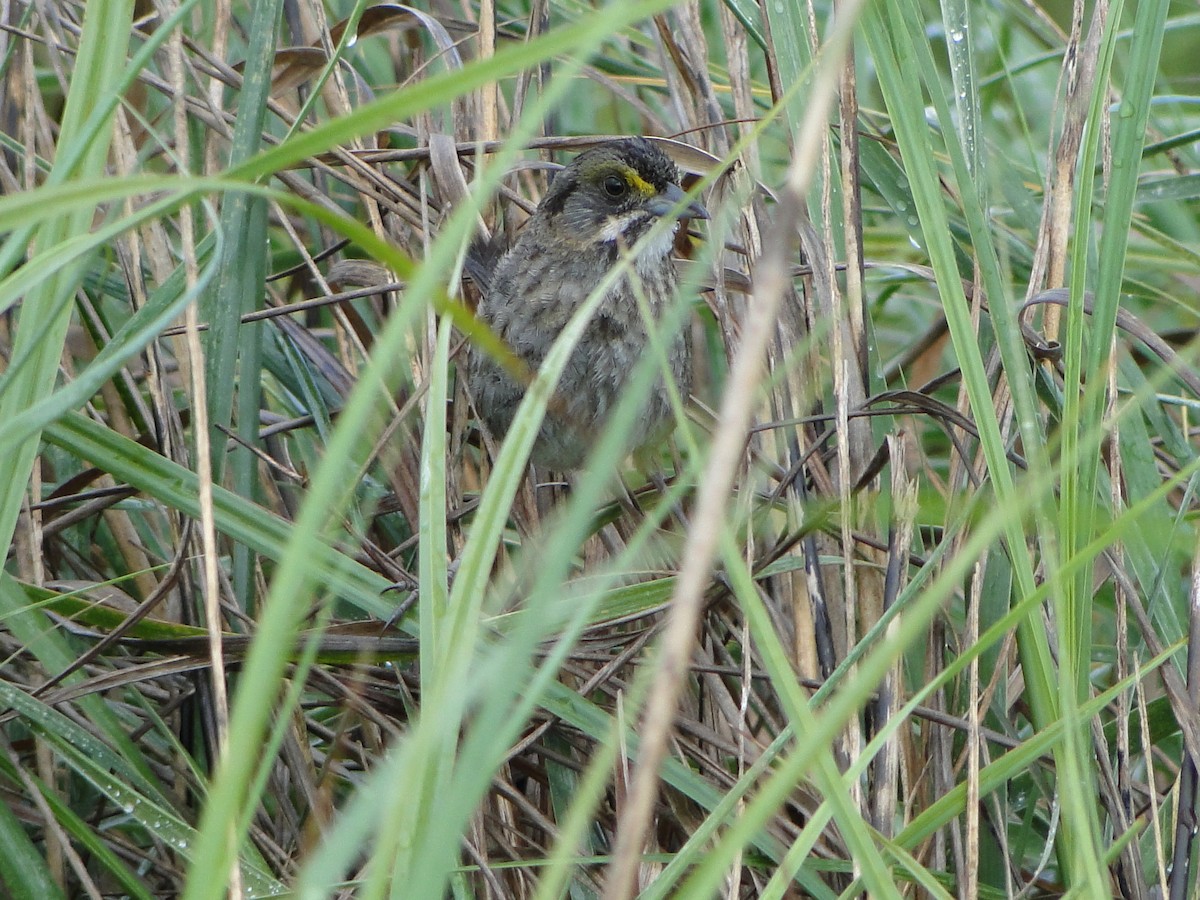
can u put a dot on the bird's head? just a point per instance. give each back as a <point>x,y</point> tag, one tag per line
<point>613,193</point>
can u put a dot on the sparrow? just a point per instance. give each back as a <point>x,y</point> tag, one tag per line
<point>596,210</point>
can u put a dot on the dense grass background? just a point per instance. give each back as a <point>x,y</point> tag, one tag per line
<point>903,609</point>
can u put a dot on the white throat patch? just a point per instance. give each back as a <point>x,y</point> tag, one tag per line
<point>654,251</point>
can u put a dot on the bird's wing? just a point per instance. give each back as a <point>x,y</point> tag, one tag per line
<point>483,255</point>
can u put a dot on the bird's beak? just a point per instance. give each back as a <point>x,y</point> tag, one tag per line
<point>668,203</point>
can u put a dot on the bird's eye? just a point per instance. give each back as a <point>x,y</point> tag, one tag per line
<point>614,186</point>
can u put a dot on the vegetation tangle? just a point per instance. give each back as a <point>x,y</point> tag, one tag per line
<point>899,597</point>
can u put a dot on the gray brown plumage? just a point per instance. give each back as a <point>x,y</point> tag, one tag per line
<point>596,208</point>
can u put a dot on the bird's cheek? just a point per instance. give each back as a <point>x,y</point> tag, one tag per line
<point>581,223</point>
<point>613,229</point>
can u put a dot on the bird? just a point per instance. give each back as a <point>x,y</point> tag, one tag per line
<point>596,209</point>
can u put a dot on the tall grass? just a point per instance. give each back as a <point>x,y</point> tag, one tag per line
<point>903,608</point>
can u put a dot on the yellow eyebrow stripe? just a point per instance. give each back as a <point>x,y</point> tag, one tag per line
<point>637,182</point>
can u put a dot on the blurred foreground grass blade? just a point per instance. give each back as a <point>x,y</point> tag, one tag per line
<point>437,638</point>
<point>437,623</point>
